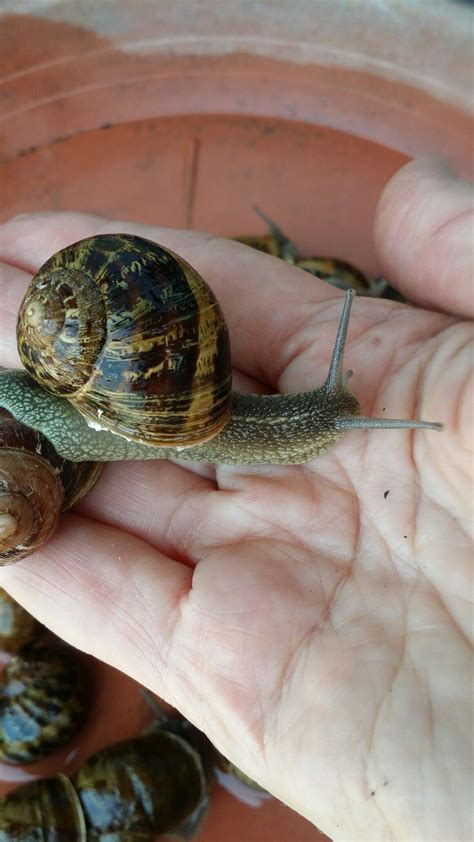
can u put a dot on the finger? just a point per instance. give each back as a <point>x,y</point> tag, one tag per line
<point>106,592</point>
<point>266,302</point>
<point>183,514</point>
<point>13,284</point>
<point>424,236</point>
<point>166,505</point>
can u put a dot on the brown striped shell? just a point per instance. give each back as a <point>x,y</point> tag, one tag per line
<point>44,700</point>
<point>129,791</point>
<point>42,811</point>
<point>266,243</point>
<point>133,336</point>
<point>140,787</point>
<point>36,485</point>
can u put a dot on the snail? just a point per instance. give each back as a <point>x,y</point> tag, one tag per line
<point>128,792</point>
<point>175,723</point>
<point>338,273</point>
<point>44,700</point>
<point>155,782</point>
<point>36,485</point>
<point>275,242</point>
<point>42,811</point>
<point>266,243</point>
<point>134,346</point>
<point>211,758</point>
<point>18,628</point>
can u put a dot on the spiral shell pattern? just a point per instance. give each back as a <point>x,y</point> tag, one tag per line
<point>36,485</point>
<point>151,351</point>
<point>44,698</point>
<point>63,318</point>
<point>42,811</point>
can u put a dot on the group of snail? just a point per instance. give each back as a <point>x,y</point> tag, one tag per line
<point>127,356</point>
<point>156,782</point>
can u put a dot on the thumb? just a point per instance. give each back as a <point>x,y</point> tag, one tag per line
<point>424,236</point>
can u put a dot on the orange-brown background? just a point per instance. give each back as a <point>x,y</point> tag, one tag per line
<point>185,117</point>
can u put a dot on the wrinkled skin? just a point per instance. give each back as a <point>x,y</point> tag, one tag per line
<point>317,630</point>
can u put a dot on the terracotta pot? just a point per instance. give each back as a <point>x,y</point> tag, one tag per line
<point>188,117</point>
<point>189,114</point>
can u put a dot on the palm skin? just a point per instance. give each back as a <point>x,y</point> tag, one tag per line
<point>316,627</point>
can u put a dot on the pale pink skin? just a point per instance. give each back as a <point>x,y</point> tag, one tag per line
<point>316,630</point>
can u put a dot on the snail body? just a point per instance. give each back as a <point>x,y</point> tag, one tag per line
<point>243,428</point>
<point>36,485</point>
<point>44,699</point>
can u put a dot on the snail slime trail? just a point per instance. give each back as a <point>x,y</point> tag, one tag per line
<point>135,342</point>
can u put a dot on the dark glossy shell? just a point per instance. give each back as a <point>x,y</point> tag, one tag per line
<point>173,722</point>
<point>134,335</point>
<point>42,811</point>
<point>196,739</point>
<point>150,784</point>
<point>266,243</point>
<point>36,485</point>
<point>336,272</point>
<point>44,698</point>
<point>17,626</point>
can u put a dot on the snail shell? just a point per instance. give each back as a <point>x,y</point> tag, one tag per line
<point>129,791</point>
<point>338,273</point>
<point>136,337</point>
<point>266,243</point>
<point>149,784</point>
<point>36,485</point>
<point>175,723</point>
<point>44,697</point>
<point>18,627</point>
<point>42,811</point>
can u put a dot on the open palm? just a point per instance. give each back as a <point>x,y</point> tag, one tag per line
<point>313,620</point>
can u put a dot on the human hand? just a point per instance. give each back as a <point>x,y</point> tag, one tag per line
<point>314,628</point>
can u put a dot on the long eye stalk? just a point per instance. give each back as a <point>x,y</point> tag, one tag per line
<point>336,380</point>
